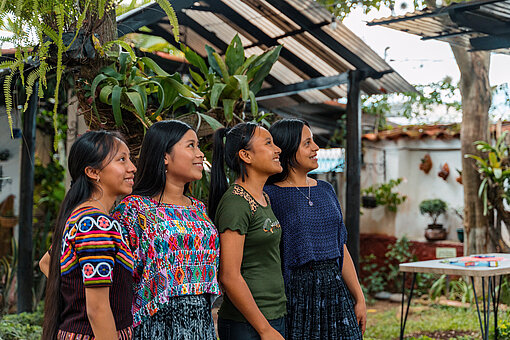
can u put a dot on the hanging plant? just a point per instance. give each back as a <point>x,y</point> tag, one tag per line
<point>444,172</point>
<point>55,35</point>
<point>459,178</point>
<point>426,164</point>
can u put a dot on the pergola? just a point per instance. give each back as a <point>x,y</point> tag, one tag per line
<point>321,60</point>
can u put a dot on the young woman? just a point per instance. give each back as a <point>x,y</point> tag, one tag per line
<point>318,270</point>
<point>174,243</point>
<point>254,305</point>
<point>88,295</point>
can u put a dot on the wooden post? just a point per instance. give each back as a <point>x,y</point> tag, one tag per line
<point>353,153</point>
<point>25,254</point>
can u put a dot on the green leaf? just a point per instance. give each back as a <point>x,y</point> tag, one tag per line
<point>212,60</point>
<point>478,159</point>
<point>493,160</point>
<point>243,83</point>
<point>151,64</point>
<point>196,77</point>
<point>97,80</point>
<point>123,61</point>
<point>234,56</point>
<point>246,64</point>
<point>482,187</point>
<point>142,92</point>
<point>216,93</point>
<point>262,73</point>
<point>213,123</point>
<point>116,96</point>
<point>223,67</point>
<point>254,105</point>
<point>137,102</point>
<point>194,59</point>
<point>104,95</point>
<point>228,109</point>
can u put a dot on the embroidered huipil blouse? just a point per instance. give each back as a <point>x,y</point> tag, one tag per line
<point>175,249</point>
<point>94,254</point>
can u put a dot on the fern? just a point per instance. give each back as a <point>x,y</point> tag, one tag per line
<point>172,17</point>
<point>79,23</point>
<point>32,77</point>
<point>8,93</point>
<point>60,50</point>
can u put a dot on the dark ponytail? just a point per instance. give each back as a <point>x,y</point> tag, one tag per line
<point>93,149</point>
<point>227,152</point>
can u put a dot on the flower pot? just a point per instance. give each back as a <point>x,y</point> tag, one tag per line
<point>368,202</point>
<point>460,234</point>
<point>435,232</point>
<point>8,222</point>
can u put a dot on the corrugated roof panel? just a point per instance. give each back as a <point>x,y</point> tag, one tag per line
<point>213,23</point>
<point>314,96</point>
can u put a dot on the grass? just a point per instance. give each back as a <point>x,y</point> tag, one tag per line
<point>427,319</point>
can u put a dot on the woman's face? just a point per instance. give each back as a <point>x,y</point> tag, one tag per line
<point>116,178</point>
<point>306,155</point>
<point>263,154</point>
<point>185,161</point>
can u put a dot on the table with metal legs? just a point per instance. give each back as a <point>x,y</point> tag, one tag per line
<point>490,276</point>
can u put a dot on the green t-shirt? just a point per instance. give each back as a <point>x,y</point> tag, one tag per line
<point>261,266</point>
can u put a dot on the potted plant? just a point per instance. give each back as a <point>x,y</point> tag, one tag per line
<point>7,218</point>
<point>434,208</point>
<point>382,194</point>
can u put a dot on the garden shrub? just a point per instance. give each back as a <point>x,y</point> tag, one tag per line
<point>22,326</point>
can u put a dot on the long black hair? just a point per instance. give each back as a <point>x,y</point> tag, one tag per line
<point>236,139</point>
<point>150,179</point>
<point>93,149</point>
<point>286,135</point>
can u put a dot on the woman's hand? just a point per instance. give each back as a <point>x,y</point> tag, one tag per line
<point>360,309</point>
<point>271,334</point>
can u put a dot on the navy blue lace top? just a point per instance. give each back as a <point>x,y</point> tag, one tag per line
<point>310,233</point>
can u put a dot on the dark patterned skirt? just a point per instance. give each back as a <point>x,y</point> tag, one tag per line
<point>319,305</point>
<point>183,318</point>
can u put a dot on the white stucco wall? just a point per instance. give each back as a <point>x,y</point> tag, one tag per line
<point>402,158</point>
<point>11,167</point>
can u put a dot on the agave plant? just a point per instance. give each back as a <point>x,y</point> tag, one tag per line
<point>230,81</point>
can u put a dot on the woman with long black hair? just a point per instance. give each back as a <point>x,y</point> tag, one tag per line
<point>88,295</point>
<point>174,243</point>
<point>250,269</point>
<point>318,271</point>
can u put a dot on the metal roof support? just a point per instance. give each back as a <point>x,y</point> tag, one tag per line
<point>319,83</point>
<point>146,15</point>
<point>353,160</point>
<point>490,42</point>
<point>25,260</point>
<point>300,19</point>
<point>219,7</point>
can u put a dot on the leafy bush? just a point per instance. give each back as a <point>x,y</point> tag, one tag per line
<point>22,326</point>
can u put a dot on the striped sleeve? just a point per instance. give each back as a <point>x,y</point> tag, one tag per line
<point>96,243</point>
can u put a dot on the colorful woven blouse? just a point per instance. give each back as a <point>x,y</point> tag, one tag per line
<point>94,254</point>
<point>176,251</point>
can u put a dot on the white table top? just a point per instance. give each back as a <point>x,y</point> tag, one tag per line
<point>436,267</point>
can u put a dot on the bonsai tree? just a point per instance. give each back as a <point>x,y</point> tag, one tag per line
<point>434,208</point>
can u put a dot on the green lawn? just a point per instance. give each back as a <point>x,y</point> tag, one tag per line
<point>428,319</point>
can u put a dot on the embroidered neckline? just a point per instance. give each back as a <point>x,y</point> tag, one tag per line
<point>240,191</point>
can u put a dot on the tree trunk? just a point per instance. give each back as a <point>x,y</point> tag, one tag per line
<point>476,100</point>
